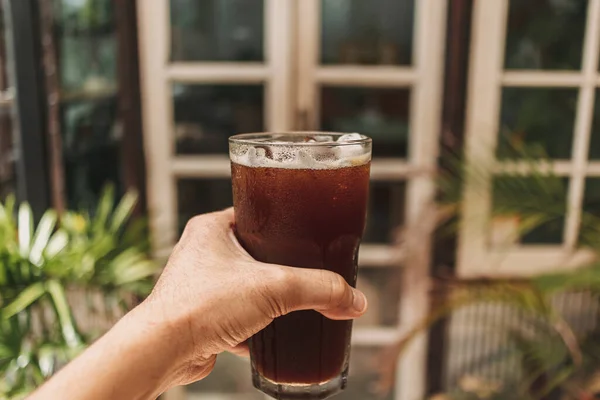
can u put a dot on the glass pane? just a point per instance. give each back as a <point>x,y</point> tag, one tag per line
<point>199,196</point>
<point>364,367</point>
<point>91,149</point>
<point>590,226</point>
<point>380,113</point>
<point>537,123</point>
<point>382,288</point>
<point>529,209</point>
<point>545,34</point>
<point>386,211</point>
<point>595,139</point>
<point>87,46</point>
<point>217,30</point>
<point>592,196</point>
<point>206,115</point>
<point>231,376</point>
<point>376,32</point>
<point>87,60</point>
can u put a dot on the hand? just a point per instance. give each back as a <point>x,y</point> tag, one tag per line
<point>211,297</point>
<point>215,296</point>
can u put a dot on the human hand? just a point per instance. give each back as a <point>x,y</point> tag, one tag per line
<point>213,296</point>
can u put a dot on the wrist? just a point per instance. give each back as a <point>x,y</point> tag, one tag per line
<point>152,346</point>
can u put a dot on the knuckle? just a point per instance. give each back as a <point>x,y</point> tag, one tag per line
<point>194,223</point>
<point>278,291</point>
<point>338,289</point>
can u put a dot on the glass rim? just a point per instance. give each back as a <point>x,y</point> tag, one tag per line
<point>257,139</point>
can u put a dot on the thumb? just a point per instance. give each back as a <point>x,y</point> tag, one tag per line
<point>323,291</point>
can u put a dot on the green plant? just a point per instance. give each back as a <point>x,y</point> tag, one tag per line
<point>47,273</point>
<point>556,360</point>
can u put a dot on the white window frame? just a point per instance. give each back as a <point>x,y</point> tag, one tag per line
<point>164,167</point>
<point>487,76</point>
<point>285,22</point>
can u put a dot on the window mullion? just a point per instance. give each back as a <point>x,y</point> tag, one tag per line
<point>583,123</point>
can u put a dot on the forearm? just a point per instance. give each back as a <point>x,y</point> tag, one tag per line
<point>136,360</point>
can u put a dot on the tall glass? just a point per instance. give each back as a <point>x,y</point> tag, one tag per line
<point>300,200</point>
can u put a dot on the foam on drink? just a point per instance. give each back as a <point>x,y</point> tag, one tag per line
<point>317,152</point>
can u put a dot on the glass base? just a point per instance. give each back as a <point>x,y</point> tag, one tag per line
<point>300,391</point>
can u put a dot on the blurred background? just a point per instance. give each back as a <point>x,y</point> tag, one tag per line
<point>482,240</point>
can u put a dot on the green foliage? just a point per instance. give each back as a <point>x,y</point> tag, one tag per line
<point>556,359</point>
<point>40,266</point>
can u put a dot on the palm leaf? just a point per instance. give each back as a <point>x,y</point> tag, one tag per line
<point>105,207</point>
<point>42,236</point>
<point>63,311</point>
<point>27,297</point>
<point>25,223</point>
<point>123,211</point>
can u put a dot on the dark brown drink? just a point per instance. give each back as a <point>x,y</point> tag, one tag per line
<point>309,218</point>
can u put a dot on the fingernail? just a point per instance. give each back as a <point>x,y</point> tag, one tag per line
<point>360,301</point>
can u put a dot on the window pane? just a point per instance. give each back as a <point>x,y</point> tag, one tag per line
<point>537,123</point>
<point>217,30</point>
<point>382,288</point>
<point>590,221</point>
<point>91,148</point>
<point>206,115</point>
<point>231,376</point>
<point>386,211</point>
<point>199,196</point>
<point>379,113</point>
<point>376,32</point>
<point>529,208</point>
<point>595,139</point>
<point>87,62</point>
<point>87,46</point>
<point>545,34</point>
<point>364,367</point>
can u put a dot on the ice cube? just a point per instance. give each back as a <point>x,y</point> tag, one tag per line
<point>348,137</point>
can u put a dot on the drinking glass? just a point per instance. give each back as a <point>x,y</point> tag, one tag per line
<point>300,200</point>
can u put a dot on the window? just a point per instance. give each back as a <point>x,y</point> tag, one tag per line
<point>7,156</point>
<point>532,95</point>
<point>226,67</point>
